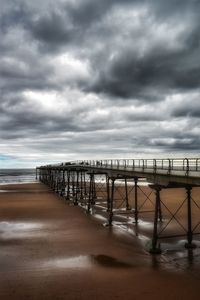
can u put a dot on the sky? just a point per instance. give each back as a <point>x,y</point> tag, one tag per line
<point>91,79</point>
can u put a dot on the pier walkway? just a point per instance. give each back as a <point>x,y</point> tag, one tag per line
<point>93,183</point>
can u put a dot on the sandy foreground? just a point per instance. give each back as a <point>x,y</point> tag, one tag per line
<point>50,249</point>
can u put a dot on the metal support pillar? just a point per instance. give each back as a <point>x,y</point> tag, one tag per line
<point>110,219</point>
<point>159,210</point>
<point>108,192</point>
<point>91,193</point>
<point>62,192</point>
<point>73,184</point>
<point>68,185</point>
<point>57,181</point>
<point>81,187</point>
<point>136,200</point>
<point>84,186</point>
<point>155,249</point>
<point>189,243</point>
<point>126,194</point>
<point>77,188</point>
<point>94,196</point>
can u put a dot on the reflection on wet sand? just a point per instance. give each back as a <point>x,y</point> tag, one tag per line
<point>109,262</point>
<point>77,262</point>
<point>14,230</point>
<point>85,261</point>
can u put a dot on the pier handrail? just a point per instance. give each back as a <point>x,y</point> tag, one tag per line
<point>155,166</point>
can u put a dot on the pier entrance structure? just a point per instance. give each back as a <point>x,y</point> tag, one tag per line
<point>114,186</point>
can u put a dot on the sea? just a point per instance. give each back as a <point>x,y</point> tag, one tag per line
<point>17,176</point>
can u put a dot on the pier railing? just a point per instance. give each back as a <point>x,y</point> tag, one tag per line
<point>184,164</point>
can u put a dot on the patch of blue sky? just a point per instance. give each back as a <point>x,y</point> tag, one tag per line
<point>6,157</point>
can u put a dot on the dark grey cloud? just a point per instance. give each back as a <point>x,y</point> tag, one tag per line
<point>83,78</point>
<point>190,108</point>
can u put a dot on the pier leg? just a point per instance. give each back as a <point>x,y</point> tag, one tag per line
<point>73,185</point>
<point>53,179</point>
<point>126,194</point>
<point>63,184</point>
<point>136,200</point>
<point>111,203</point>
<point>68,185</point>
<point>159,209</point>
<point>94,196</point>
<point>189,243</point>
<point>85,186</point>
<point>90,193</point>
<point>57,182</point>
<point>108,193</point>
<point>155,249</point>
<point>77,188</point>
<point>81,188</point>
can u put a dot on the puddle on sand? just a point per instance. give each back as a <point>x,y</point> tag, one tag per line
<point>19,225</point>
<point>109,261</point>
<point>14,229</point>
<point>77,262</point>
<point>85,261</point>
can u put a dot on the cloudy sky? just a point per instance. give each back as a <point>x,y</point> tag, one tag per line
<point>86,79</point>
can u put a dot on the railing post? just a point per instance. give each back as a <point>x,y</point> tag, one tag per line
<point>169,166</point>
<point>143,164</point>
<point>154,165</point>
<point>187,166</point>
<point>124,163</point>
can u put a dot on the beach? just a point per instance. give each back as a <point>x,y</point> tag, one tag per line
<point>51,249</point>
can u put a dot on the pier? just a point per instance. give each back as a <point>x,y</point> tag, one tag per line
<point>115,186</point>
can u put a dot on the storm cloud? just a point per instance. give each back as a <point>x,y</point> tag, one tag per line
<point>82,79</point>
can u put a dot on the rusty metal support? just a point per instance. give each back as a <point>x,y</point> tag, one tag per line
<point>73,184</point>
<point>94,196</point>
<point>57,181</point>
<point>126,194</point>
<point>110,219</point>
<point>155,248</point>
<point>90,196</point>
<point>62,191</point>
<point>189,243</point>
<point>84,186</point>
<point>108,193</point>
<point>136,200</point>
<point>76,188</point>
<point>68,185</point>
<point>81,187</point>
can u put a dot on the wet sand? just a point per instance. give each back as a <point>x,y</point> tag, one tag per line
<point>50,249</point>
